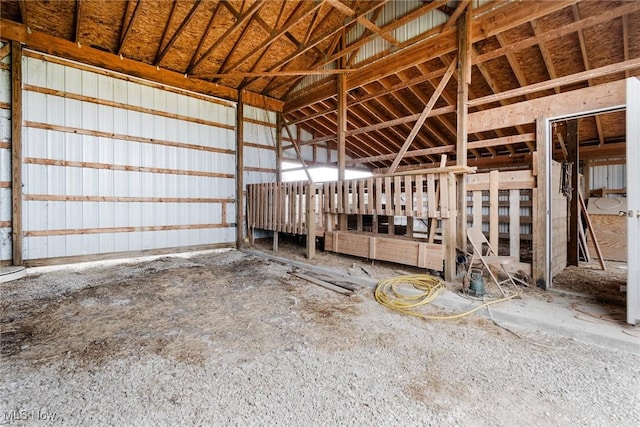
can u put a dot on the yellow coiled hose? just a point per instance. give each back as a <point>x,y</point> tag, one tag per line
<point>405,293</point>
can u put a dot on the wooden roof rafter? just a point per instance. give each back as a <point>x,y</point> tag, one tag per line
<point>395,24</point>
<point>298,45</point>
<point>625,9</point>
<point>546,55</point>
<point>291,22</point>
<point>354,54</point>
<point>239,23</point>
<point>174,7</point>
<point>129,17</point>
<point>162,51</point>
<point>362,20</point>
<point>625,41</point>
<point>335,34</point>
<point>408,105</point>
<point>205,35</point>
<point>587,67</point>
<point>387,106</point>
<point>77,19</point>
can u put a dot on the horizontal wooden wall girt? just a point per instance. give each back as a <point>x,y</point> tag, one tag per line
<point>121,76</point>
<point>52,197</point>
<point>40,41</point>
<point>109,166</point>
<point>128,107</point>
<point>607,95</point>
<point>66,232</point>
<point>123,137</point>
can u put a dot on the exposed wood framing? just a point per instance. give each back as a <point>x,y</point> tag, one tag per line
<point>66,49</point>
<point>242,20</point>
<point>573,156</point>
<point>294,142</point>
<point>16,152</point>
<point>124,34</point>
<point>591,98</point>
<point>162,51</point>
<point>240,172</point>
<point>464,80</point>
<point>342,125</point>
<point>423,116</point>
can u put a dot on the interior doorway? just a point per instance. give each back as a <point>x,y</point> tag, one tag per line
<point>598,179</point>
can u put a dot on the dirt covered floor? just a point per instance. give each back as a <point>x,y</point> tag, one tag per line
<point>231,339</point>
<point>590,279</point>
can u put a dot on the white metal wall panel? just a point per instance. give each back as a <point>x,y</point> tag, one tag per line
<point>126,161</point>
<point>5,160</point>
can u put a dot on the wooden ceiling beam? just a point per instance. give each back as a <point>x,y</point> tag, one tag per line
<point>52,45</point>
<point>546,55</point>
<point>453,18</point>
<point>77,19</point>
<point>373,28</point>
<point>625,41</point>
<point>240,21</point>
<point>418,93</point>
<point>163,51</point>
<point>608,95</point>
<point>288,25</point>
<point>587,67</point>
<point>625,9</point>
<point>423,117</point>
<point>125,30</point>
<point>354,54</point>
<point>24,16</point>
<point>335,33</point>
<point>387,106</point>
<point>174,6</point>
<point>395,24</point>
<point>631,64</point>
<point>437,135</point>
<point>486,23</point>
<point>205,35</point>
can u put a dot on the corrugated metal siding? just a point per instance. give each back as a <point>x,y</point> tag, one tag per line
<point>390,12</point>
<point>117,166</point>
<point>5,160</point>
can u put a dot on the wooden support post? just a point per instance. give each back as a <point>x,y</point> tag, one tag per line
<point>494,231</point>
<point>342,124</point>
<point>16,152</point>
<point>586,172</point>
<point>448,185</point>
<point>464,80</point>
<point>239,171</point>
<point>279,126</point>
<point>541,210</point>
<point>573,156</point>
<point>514,223</point>
<point>310,219</point>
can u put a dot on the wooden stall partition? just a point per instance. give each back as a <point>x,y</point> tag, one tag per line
<point>501,203</point>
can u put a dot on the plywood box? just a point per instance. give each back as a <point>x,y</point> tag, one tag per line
<point>611,231</point>
<point>393,249</point>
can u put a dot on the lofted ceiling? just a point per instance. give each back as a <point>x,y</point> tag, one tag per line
<point>393,52</point>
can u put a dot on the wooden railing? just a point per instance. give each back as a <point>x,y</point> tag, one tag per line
<point>328,210</point>
<point>283,207</point>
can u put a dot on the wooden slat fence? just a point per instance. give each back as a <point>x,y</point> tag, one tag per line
<point>502,203</point>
